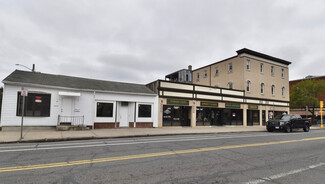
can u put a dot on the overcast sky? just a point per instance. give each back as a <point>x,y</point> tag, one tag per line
<point>140,41</point>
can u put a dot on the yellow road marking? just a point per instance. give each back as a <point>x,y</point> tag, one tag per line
<point>148,155</point>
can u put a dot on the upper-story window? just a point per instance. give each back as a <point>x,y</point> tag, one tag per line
<point>216,71</point>
<point>262,68</point>
<point>262,88</point>
<point>198,76</point>
<point>272,70</point>
<point>186,77</point>
<point>283,91</point>
<point>248,65</point>
<point>273,90</point>
<point>230,85</point>
<point>205,74</point>
<point>248,86</point>
<point>282,73</point>
<point>229,67</point>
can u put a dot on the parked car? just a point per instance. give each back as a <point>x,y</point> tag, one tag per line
<point>287,123</point>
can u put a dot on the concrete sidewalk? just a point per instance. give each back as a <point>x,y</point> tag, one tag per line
<point>53,135</point>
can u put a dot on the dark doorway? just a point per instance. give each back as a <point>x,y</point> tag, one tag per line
<point>233,116</point>
<point>176,115</point>
<point>253,117</point>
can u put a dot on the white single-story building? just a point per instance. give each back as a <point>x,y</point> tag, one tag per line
<point>64,100</point>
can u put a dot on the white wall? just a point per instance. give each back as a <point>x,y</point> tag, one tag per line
<point>85,105</point>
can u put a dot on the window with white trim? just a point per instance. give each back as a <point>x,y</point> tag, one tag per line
<point>282,73</point>
<point>283,91</point>
<point>248,64</point>
<point>230,85</point>
<point>198,76</point>
<point>262,68</point>
<point>144,111</point>
<point>229,67</point>
<point>104,109</point>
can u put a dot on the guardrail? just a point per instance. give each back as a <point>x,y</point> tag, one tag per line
<point>71,120</point>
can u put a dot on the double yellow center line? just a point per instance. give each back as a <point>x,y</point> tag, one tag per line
<point>148,155</point>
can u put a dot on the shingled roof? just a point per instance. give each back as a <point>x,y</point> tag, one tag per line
<point>37,78</point>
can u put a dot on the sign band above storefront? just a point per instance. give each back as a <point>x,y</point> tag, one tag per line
<point>178,102</point>
<point>209,104</point>
<point>232,105</point>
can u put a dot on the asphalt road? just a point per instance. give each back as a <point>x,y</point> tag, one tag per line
<point>263,157</point>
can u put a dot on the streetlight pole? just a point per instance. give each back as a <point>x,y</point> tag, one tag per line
<point>31,69</point>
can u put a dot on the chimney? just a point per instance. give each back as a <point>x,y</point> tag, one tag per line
<point>33,69</point>
<point>190,67</point>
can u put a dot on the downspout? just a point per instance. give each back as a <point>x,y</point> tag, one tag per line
<point>115,114</point>
<point>135,115</point>
<point>94,111</point>
<point>210,76</point>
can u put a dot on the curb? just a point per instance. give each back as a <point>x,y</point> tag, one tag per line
<point>114,137</point>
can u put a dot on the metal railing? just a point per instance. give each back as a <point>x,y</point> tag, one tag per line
<point>71,120</point>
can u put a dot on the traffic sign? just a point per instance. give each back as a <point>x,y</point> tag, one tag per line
<point>24,92</point>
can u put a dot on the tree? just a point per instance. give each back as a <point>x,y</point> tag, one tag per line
<point>305,93</point>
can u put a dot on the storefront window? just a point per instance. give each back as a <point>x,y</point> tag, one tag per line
<point>36,104</point>
<point>208,116</point>
<point>144,111</point>
<point>104,109</point>
<point>176,115</point>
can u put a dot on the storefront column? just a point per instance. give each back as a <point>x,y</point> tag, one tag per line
<point>160,113</point>
<point>261,117</point>
<point>245,107</point>
<point>193,114</point>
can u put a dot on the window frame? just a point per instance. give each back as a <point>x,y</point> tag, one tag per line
<point>272,70</point>
<point>113,109</point>
<point>248,64</point>
<point>230,67</point>
<point>46,97</point>
<point>262,68</point>
<point>283,91</point>
<point>205,73</point>
<point>216,71</point>
<point>197,76</point>
<point>262,88</point>
<point>273,90</point>
<point>230,85</point>
<point>248,86</point>
<point>282,72</point>
<point>138,111</point>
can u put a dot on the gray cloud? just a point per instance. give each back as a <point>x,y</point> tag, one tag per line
<point>141,40</point>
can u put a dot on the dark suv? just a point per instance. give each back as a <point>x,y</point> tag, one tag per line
<point>287,123</point>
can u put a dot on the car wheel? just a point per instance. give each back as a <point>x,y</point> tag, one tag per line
<point>306,129</point>
<point>270,129</point>
<point>287,128</point>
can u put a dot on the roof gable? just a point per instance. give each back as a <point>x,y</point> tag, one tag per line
<point>38,78</point>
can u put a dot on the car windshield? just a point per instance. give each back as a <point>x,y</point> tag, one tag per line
<point>283,117</point>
